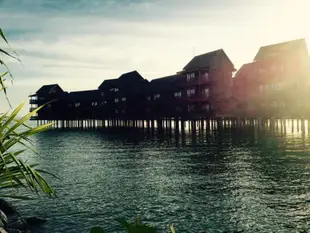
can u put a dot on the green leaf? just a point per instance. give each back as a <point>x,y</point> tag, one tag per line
<point>12,116</point>
<point>132,228</point>
<point>6,53</point>
<point>142,229</point>
<point>123,222</point>
<point>14,132</point>
<point>24,198</point>
<point>3,36</point>
<point>172,228</point>
<point>4,218</point>
<point>138,220</point>
<point>96,230</point>
<point>2,82</point>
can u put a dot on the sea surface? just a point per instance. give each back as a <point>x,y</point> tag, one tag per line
<point>253,178</point>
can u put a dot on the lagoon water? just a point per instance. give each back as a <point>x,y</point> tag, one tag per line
<point>228,179</point>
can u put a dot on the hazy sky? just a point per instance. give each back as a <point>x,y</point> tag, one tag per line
<point>79,43</point>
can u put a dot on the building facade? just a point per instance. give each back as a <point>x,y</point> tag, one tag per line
<point>275,84</point>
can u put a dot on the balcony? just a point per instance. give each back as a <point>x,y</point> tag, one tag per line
<point>33,101</point>
<point>196,81</point>
<point>195,98</point>
<point>33,118</point>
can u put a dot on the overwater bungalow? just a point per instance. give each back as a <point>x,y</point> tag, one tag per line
<point>162,99</point>
<point>124,97</point>
<point>276,83</point>
<point>56,100</point>
<point>83,105</point>
<point>206,83</point>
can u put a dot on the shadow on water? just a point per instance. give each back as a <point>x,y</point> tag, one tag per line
<point>253,178</point>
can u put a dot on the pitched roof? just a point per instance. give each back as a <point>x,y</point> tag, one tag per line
<point>47,88</point>
<point>131,82</point>
<point>246,69</point>
<point>214,59</point>
<point>124,79</point>
<point>288,47</point>
<point>109,83</point>
<point>84,96</point>
<point>163,84</point>
<point>133,75</point>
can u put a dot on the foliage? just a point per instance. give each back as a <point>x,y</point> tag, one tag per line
<point>15,133</point>
<point>136,227</point>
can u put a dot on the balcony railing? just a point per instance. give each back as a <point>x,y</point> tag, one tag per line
<point>194,98</point>
<point>196,81</point>
<point>33,101</point>
<point>34,118</point>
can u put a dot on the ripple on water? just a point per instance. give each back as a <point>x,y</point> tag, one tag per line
<point>249,180</point>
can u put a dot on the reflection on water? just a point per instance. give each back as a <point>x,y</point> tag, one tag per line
<point>249,178</point>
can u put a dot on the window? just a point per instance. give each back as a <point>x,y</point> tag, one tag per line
<point>178,109</point>
<point>94,104</point>
<point>206,107</point>
<point>190,76</point>
<point>114,89</point>
<point>102,93</point>
<point>77,104</point>
<point>156,96</point>
<point>250,104</point>
<point>41,98</point>
<point>116,100</point>
<point>206,92</point>
<point>149,98</point>
<point>191,92</point>
<point>124,99</point>
<point>273,67</point>
<point>178,94</point>
<point>205,76</point>
<point>275,104</point>
<point>116,111</point>
<point>278,86</point>
<point>191,108</point>
<point>272,54</point>
<point>282,104</point>
<point>261,71</point>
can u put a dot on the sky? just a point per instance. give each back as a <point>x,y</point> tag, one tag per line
<point>80,43</point>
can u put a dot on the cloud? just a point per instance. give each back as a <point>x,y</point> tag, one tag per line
<point>79,43</point>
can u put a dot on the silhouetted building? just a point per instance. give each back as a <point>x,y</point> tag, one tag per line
<point>55,99</point>
<point>83,104</point>
<point>276,84</point>
<point>163,98</point>
<point>125,97</point>
<point>206,83</point>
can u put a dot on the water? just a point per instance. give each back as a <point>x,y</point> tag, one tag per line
<point>246,179</point>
